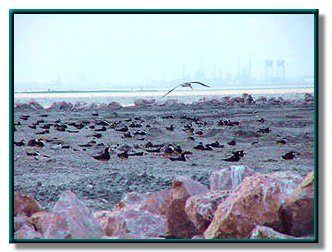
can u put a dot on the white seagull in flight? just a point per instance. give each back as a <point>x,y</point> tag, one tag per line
<point>186,84</point>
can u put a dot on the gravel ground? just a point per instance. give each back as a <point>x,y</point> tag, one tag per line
<point>102,184</point>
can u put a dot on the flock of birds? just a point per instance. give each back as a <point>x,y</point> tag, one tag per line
<point>133,128</point>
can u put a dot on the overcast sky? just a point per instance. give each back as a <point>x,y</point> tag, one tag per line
<point>131,50</point>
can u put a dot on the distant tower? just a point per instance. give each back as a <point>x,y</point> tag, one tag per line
<point>268,70</point>
<point>281,75</point>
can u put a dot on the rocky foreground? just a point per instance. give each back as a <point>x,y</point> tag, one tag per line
<point>240,204</point>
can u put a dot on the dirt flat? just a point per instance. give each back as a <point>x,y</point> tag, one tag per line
<point>101,184</point>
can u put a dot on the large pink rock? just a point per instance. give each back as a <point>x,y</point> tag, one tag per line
<point>255,202</point>
<point>27,231</point>
<point>77,217</point>
<point>297,213</point>
<point>261,232</point>
<point>178,223</point>
<point>50,225</point>
<point>200,208</point>
<point>156,202</point>
<point>132,223</point>
<point>132,200</point>
<point>229,178</point>
<point>25,205</point>
<point>19,221</point>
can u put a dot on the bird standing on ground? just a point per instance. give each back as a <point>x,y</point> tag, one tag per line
<point>186,84</point>
<point>105,156</point>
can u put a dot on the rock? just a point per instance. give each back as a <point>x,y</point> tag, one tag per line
<point>256,201</point>
<point>50,225</point>
<point>61,106</point>
<point>157,202</point>
<point>247,99</point>
<point>199,236</point>
<point>229,178</point>
<point>114,105</point>
<point>102,218</point>
<point>27,231</point>
<point>261,100</point>
<point>32,105</point>
<point>77,216</point>
<point>25,205</point>
<point>297,213</point>
<point>134,223</point>
<point>132,200</point>
<point>309,97</point>
<point>178,223</point>
<point>200,208</point>
<point>261,232</point>
<point>19,221</point>
<point>144,103</point>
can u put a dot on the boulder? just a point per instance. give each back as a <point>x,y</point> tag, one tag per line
<point>297,213</point>
<point>50,225</point>
<point>27,231</point>
<point>200,208</point>
<point>19,221</point>
<point>114,105</point>
<point>61,106</point>
<point>102,218</point>
<point>131,223</point>
<point>229,178</point>
<point>256,201</point>
<point>144,103</point>
<point>132,200</point>
<point>25,205</point>
<point>247,99</point>
<point>261,232</point>
<point>156,202</point>
<point>77,217</point>
<point>261,100</point>
<point>178,223</point>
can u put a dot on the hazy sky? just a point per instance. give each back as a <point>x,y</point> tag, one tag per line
<point>133,49</point>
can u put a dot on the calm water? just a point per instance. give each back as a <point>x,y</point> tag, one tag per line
<point>127,98</point>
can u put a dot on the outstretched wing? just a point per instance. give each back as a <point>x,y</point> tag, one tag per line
<point>171,90</point>
<point>200,83</point>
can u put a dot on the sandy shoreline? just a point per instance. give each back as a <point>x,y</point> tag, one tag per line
<point>102,184</point>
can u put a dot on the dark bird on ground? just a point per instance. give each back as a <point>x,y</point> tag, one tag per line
<point>232,143</point>
<point>127,135</point>
<point>167,117</point>
<point>135,154</point>
<point>88,145</point>
<point>239,153</point>
<point>264,131</point>
<point>32,126</point>
<point>44,115</point>
<point>43,132</point>
<point>199,132</point>
<point>135,125</point>
<point>65,146</point>
<point>281,141</point>
<point>289,155</point>
<point>123,155</point>
<point>170,128</point>
<point>95,114</point>
<point>36,143</point>
<point>182,157</point>
<point>98,135</point>
<point>105,156</point>
<point>72,131</point>
<point>123,129</point>
<point>261,120</point>
<point>200,146</point>
<point>216,144</point>
<point>186,84</point>
<point>20,143</point>
<point>233,158</point>
<point>152,145</point>
<point>46,126</point>
<point>24,117</point>
<point>142,133</point>
<point>236,156</point>
<point>154,150</point>
<point>101,129</point>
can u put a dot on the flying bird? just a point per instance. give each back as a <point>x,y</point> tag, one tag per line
<point>186,84</point>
